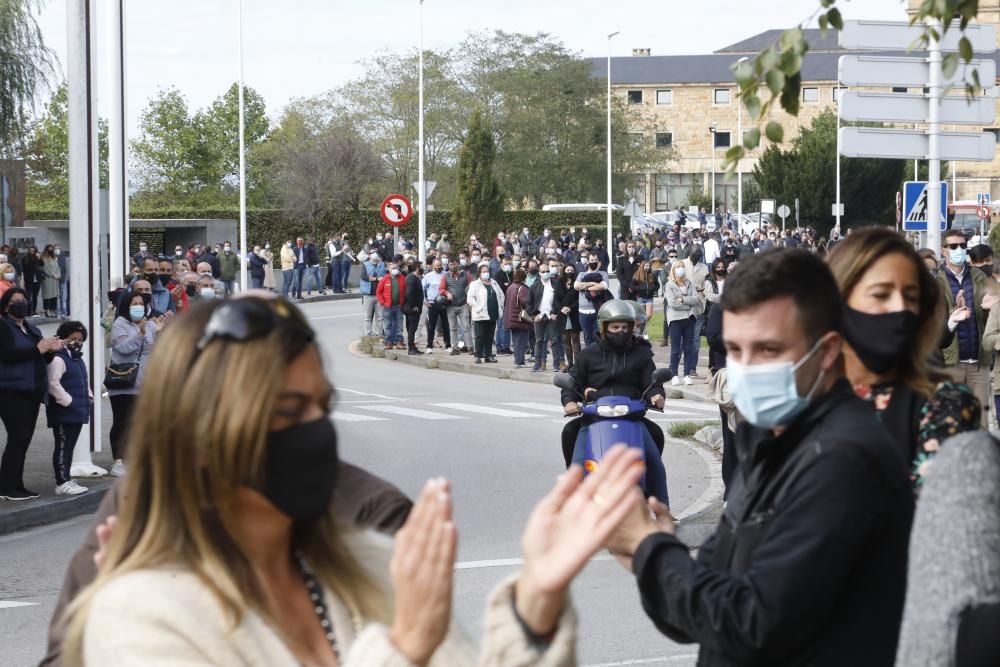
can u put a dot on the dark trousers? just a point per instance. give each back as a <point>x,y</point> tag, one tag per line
<point>433,314</point>
<point>300,274</point>
<point>412,322</point>
<point>485,331</point>
<point>19,412</point>
<point>121,412</point>
<point>681,333</point>
<point>520,339</point>
<point>65,436</point>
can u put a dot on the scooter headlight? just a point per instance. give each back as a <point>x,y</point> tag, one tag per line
<point>612,411</point>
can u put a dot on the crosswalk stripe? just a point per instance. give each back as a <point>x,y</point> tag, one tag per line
<point>542,407</point>
<point>354,417</point>
<point>408,412</point>
<point>485,410</point>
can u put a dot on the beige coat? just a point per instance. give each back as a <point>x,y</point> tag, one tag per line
<point>164,617</point>
<point>287,258</point>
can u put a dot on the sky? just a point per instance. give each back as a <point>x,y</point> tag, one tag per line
<point>301,48</point>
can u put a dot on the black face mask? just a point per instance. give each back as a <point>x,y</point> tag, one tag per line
<point>618,339</point>
<point>191,290</point>
<point>164,280</point>
<point>880,341</point>
<point>18,310</point>
<point>301,468</point>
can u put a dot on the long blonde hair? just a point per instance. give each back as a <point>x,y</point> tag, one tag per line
<point>199,433</point>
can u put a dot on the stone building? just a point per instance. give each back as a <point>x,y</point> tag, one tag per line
<point>688,103</point>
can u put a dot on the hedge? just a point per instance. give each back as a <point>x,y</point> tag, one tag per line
<point>275,226</point>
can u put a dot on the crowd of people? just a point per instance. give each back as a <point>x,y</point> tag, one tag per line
<point>847,372</point>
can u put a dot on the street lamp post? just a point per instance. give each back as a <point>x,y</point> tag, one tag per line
<point>739,166</point>
<point>611,253</point>
<point>421,188</point>
<point>712,128</point>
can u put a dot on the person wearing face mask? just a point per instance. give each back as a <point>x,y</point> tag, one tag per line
<point>133,334</point>
<point>962,285</point>
<point>287,269</point>
<point>486,305</point>
<point>23,352</point>
<point>892,324</point>
<point>808,563</point>
<point>680,304</point>
<point>302,589</point>
<point>68,403</point>
<point>391,294</point>
<point>8,278</point>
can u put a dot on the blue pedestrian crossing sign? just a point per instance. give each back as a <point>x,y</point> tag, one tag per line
<point>915,206</point>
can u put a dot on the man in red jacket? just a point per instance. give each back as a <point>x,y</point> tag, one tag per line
<point>391,292</point>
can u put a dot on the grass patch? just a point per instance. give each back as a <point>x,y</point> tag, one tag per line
<point>687,429</point>
<point>654,329</point>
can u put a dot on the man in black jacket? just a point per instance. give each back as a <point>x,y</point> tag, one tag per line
<point>808,564</point>
<point>413,303</point>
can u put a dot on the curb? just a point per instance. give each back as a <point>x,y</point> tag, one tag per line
<point>52,509</point>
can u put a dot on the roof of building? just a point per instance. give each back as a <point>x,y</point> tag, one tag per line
<point>817,41</point>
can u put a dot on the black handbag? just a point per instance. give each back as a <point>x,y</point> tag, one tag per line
<point>123,376</point>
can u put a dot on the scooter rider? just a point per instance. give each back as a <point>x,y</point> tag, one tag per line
<point>617,364</point>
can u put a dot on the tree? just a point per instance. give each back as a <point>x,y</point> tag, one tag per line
<point>25,65</point>
<point>808,172</point>
<point>479,202</point>
<point>46,155</point>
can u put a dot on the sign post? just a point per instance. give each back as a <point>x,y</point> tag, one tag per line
<point>783,212</point>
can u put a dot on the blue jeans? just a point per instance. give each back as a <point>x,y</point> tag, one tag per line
<point>656,473</point>
<point>588,323</point>
<point>503,336</point>
<point>335,271</point>
<point>681,332</point>
<point>694,345</point>
<point>64,298</point>
<point>392,318</point>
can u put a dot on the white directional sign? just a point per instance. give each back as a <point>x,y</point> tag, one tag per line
<point>915,144</point>
<point>908,72</point>
<point>899,36</point>
<point>900,108</point>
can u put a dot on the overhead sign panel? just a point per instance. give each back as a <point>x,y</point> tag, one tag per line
<point>901,36</point>
<point>915,144</point>
<point>901,108</point>
<point>909,72</point>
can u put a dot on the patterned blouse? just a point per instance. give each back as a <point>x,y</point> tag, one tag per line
<point>953,409</point>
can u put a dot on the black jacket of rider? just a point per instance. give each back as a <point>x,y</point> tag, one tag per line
<point>625,372</point>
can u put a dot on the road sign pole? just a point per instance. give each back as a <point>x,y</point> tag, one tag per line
<point>934,136</point>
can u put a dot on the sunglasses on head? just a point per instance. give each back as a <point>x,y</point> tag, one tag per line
<point>956,246</point>
<point>242,320</point>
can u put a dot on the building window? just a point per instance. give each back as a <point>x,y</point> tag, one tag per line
<point>898,89</point>
<point>723,139</point>
<point>995,131</point>
<point>722,96</point>
<point>635,97</point>
<point>836,94</point>
<point>664,97</point>
<point>810,95</point>
<point>664,139</point>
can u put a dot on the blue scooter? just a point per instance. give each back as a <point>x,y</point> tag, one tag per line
<point>614,420</point>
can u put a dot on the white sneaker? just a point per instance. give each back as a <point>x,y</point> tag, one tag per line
<point>118,469</point>
<point>70,488</point>
<point>676,381</point>
<point>687,381</point>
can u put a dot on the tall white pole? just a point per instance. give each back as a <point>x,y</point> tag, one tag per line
<point>610,247</point>
<point>117,145</point>
<point>934,163</point>
<point>421,189</point>
<point>244,246</point>
<point>84,225</point>
<point>840,93</point>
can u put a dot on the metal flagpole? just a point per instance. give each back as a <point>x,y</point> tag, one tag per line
<point>244,246</point>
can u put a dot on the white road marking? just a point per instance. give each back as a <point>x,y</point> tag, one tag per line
<point>353,417</point>
<point>409,412</point>
<point>648,661</point>
<point>485,410</point>
<point>5,604</point>
<point>544,407</point>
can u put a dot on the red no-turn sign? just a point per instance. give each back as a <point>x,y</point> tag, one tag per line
<point>396,210</point>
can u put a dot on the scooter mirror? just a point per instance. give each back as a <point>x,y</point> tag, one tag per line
<point>563,380</point>
<point>662,376</point>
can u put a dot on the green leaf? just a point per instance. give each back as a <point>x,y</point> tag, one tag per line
<point>752,103</point>
<point>835,19</point>
<point>751,138</point>
<point>775,81</point>
<point>775,132</point>
<point>965,48</point>
<point>949,65</point>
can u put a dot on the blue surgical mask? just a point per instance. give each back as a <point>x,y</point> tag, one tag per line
<point>136,313</point>
<point>766,394</point>
<point>957,256</point>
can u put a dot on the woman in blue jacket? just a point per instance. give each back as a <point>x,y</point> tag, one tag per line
<point>22,387</point>
<point>68,405</point>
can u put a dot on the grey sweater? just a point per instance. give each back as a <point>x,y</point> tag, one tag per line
<point>954,548</point>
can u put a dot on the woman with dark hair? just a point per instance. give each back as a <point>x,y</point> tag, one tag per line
<point>893,314</point>
<point>22,387</point>
<point>68,404</point>
<point>133,333</point>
